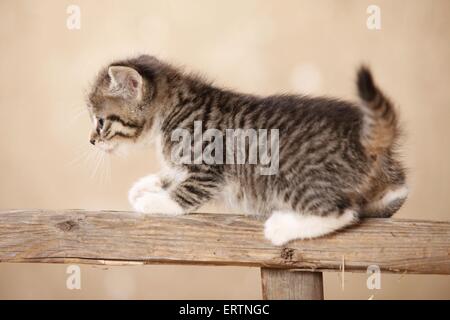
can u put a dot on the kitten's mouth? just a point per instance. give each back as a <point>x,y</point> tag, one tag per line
<point>107,147</point>
<point>108,150</point>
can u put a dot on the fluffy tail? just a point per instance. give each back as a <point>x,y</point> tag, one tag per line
<point>380,128</point>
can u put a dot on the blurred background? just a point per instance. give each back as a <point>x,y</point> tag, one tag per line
<point>259,47</point>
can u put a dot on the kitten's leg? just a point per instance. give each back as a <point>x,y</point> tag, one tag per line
<point>284,226</point>
<point>150,195</point>
<point>150,183</point>
<point>175,195</point>
<point>385,207</point>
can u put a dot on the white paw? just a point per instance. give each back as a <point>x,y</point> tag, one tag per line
<point>395,195</point>
<point>156,202</point>
<point>278,228</point>
<point>284,226</point>
<point>151,183</point>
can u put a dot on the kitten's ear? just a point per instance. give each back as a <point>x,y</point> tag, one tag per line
<point>125,82</point>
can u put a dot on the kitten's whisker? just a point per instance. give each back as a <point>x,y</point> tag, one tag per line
<point>96,164</point>
<point>90,157</point>
<point>79,158</point>
<point>109,170</point>
<point>103,169</point>
<point>75,111</point>
<point>105,177</point>
<point>73,119</point>
<point>76,159</point>
<point>78,115</point>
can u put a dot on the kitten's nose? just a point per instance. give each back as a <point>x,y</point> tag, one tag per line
<point>92,141</point>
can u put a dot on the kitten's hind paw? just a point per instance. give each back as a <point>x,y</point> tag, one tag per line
<point>279,229</point>
<point>284,226</point>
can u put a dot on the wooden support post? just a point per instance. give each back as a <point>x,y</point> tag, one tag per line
<point>281,284</point>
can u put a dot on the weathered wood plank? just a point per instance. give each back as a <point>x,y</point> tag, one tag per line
<point>107,237</point>
<point>280,284</point>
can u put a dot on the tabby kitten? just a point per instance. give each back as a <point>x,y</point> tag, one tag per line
<point>337,160</point>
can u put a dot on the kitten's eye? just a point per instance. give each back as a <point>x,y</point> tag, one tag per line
<point>100,123</point>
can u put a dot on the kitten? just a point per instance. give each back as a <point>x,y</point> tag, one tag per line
<point>337,160</point>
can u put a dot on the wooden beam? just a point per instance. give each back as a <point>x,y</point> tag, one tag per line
<point>281,284</point>
<point>107,237</point>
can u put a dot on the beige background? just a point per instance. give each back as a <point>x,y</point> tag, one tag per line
<point>255,46</point>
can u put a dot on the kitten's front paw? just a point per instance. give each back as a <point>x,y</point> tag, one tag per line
<point>157,202</point>
<point>151,183</point>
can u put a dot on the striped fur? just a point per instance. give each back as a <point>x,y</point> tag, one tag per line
<point>380,123</point>
<point>336,157</point>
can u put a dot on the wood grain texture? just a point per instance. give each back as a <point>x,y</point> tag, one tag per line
<point>107,237</point>
<point>280,284</point>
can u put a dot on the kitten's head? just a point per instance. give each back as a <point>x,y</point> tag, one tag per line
<point>118,107</point>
